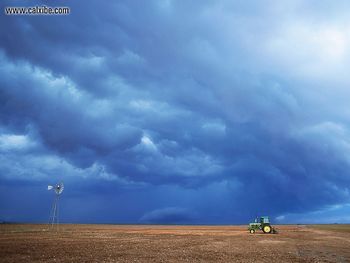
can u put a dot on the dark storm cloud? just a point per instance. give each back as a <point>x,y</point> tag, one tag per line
<point>235,103</point>
<point>169,215</point>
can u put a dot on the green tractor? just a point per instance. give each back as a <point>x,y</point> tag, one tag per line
<point>262,223</point>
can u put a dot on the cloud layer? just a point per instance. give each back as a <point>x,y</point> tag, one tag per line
<point>226,109</point>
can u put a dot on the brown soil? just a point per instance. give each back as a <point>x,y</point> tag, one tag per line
<point>115,243</point>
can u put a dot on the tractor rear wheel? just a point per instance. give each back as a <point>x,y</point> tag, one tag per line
<point>267,229</point>
<point>252,231</point>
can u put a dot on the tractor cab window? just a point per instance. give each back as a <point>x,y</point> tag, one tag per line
<point>265,220</point>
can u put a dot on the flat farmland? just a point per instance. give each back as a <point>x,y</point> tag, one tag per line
<point>156,243</point>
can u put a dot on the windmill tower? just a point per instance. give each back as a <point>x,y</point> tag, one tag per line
<point>57,189</point>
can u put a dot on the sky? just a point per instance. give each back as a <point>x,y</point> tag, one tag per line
<point>176,112</point>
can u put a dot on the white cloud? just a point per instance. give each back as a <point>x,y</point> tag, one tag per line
<point>141,104</point>
<point>309,50</point>
<point>130,58</point>
<point>147,142</point>
<point>215,127</point>
<point>280,218</point>
<point>15,142</point>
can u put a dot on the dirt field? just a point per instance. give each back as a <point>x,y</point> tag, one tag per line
<point>113,243</point>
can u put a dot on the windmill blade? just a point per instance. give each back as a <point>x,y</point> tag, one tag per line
<point>59,188</point>
<point>49,187</point>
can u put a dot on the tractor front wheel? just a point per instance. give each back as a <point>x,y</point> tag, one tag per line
<point>267,229</point>
<point>252,231</point>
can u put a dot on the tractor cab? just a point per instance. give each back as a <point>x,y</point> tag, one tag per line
<point>264,220</point>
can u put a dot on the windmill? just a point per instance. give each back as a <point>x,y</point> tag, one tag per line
<point>57,189</point>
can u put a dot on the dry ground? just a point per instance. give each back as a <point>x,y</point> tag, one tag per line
<point>115,243</point>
